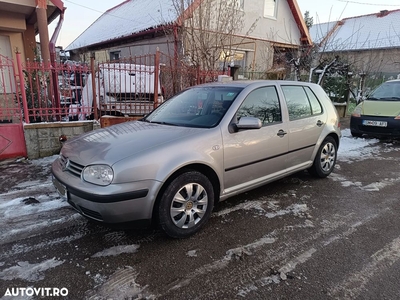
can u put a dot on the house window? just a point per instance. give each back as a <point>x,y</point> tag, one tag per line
<point>115,55</point>
<point>270,8</point>
<point>232,58</point>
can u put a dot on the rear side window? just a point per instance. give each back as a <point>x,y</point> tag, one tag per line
<point>301,102</point>
<point>262,103</point>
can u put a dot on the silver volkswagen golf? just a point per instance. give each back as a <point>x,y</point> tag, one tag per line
<point>205,144</point>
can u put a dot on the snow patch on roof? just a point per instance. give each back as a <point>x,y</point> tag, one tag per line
<point>319,31</point>
<point>360,33</point>
<point>127,18</point>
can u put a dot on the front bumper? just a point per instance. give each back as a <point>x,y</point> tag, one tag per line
<point>392,129</point>
<point>115,203</point>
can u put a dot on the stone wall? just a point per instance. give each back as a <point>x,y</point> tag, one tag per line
<point>43,139</point>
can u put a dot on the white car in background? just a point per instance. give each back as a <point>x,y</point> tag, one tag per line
<point>123,89</point>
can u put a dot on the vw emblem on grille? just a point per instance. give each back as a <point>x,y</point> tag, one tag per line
<point>66,166</point>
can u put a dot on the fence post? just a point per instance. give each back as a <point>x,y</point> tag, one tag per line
<point>198,75</point>
<point>156,76</point>
<point>55,90</point>
<point>94,87</point>
<point>22,87</point>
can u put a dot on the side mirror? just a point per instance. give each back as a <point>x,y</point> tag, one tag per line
<point>249,123</point>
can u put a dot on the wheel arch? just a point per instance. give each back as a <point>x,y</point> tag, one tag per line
<point>201,168</point>
<point>335,137</point>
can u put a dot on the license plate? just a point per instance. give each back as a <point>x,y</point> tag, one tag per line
<point>61,189</point>
<point>374,123</point>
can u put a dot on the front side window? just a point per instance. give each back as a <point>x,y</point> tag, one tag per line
<point>263,104</point>
<point>270,8</point>
<point>301,102</point>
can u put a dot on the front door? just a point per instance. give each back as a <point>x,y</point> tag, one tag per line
<point>255,155</point>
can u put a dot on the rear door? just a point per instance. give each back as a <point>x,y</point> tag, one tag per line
<point>306,123</point>
<point>254,155</point>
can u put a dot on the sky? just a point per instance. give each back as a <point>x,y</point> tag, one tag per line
<point>79,16</point>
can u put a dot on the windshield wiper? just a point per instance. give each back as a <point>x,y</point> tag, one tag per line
<point>163,123</point>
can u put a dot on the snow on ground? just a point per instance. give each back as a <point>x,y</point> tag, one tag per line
<point>29,272</point>
<point>121,285</point>
<point>117,250</point>
<point>356,149</point>
<point>33,205</point>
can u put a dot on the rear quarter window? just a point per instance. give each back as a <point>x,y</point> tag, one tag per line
<point>316,107</point>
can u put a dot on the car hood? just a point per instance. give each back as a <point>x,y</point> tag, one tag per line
<point>381,108</point>
<point>111,144</point>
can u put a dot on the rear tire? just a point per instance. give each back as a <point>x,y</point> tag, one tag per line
<point>186,204</point>
<point>325,159</point>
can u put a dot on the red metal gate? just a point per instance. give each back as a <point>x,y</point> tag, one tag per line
<point>12,141</point>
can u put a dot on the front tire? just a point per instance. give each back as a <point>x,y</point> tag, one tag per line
<point>186,204</point>
<point>325,159</point>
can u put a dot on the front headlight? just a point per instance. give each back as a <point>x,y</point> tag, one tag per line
<point>357,111</point>
<point>98,174</point>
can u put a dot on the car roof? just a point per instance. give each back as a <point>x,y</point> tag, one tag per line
<point>245,83</point>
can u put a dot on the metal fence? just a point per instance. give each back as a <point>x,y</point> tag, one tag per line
<point>73,91</point>
<point>10,106</point>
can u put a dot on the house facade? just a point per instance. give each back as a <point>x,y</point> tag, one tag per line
<point>18,28</point>
<point>19,24</point>
<point>249,34</point>
<point>370,44</point>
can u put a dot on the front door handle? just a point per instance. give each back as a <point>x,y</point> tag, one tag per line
<point>281,133</point>
<point>320,123</point>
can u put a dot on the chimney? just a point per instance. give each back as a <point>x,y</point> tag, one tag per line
<point>383,13</point>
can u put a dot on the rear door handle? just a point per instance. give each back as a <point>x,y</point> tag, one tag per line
<point>281,133</point>
<point>320,123</point>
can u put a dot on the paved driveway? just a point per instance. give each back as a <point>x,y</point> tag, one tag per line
<point>298,238</point>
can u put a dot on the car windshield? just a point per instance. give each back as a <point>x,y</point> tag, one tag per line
<point>388,91</point>
<point>201,107</point>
